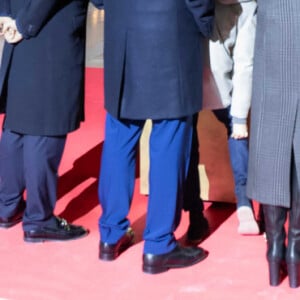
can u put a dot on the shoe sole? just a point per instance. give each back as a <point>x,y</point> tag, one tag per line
<point>161,269</point>
<point>49,239</point>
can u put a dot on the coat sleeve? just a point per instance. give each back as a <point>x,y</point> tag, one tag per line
<point>98,3</point>
<point>4,7</point>
<point>31,18</point>
<point>203,13</point>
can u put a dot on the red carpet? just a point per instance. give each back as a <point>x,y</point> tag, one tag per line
<point>234,269</point>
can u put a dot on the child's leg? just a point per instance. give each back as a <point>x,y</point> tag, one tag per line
<point>238,149</point>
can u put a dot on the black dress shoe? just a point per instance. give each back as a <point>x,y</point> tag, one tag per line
<point>63,231</point>
<point>180,257</point>
<point>16,218</point>
<point>110,252</point>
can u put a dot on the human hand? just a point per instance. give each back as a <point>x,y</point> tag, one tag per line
<point>11,33</point>
<point>239,131</point>
<point>3,20</point>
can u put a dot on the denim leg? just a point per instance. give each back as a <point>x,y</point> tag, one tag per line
<point>238,150</point>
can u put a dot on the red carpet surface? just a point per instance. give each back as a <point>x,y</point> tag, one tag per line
<point>235,268</point>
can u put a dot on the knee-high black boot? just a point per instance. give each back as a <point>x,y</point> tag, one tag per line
<point>275,217</point>
<point>293,249</point>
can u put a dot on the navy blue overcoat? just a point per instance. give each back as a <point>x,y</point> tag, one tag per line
<point>42,77</point>
<point>153,57</point>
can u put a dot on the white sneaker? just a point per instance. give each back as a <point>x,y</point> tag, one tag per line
<point>247,222</point>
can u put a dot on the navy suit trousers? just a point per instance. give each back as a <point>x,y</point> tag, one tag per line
<point>170,146</point>
<point>29,163</point>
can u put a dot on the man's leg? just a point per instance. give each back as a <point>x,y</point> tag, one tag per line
<point>117,176</point>
<point>42,156</point>
<point>170,142</point>
<point>198,225</point>
<point>12,187</point>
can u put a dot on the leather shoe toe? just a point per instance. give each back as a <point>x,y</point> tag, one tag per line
<point>180,257</point>
<point>109,252</point>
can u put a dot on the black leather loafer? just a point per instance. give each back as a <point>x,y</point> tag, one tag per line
<point>109,252</point>
<point>62,232</point>
<point>16,218</point>
<point>180,257</point>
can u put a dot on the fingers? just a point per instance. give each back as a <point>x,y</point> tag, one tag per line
<point>11,33</point>
<point>239,136</point>
<point>3,20</point>
<point>239,131</point>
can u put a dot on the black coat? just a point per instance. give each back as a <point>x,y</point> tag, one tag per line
<point>43,75</point>
<point>153,57</point>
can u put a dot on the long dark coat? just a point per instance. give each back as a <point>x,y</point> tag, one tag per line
<point>43,75</point>
<point>275,103</point>
<point>153,57</point>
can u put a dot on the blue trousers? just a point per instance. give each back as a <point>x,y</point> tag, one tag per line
<point>238,151</point>
<point>170,142</point>
<point>29,163</point>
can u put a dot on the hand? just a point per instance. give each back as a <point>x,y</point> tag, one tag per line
<point>239,131</point>
<point>3,20</point>
<point>11,33</point>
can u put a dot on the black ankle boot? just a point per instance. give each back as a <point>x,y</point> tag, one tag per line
<point>275,217</point>
<point>293,248</point>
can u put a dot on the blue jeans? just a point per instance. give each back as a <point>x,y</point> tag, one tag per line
<point>238,151</point>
